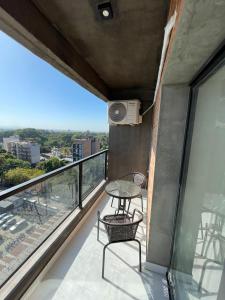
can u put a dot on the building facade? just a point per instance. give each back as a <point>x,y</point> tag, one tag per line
<point>56,152</point>
<point>85,147</point>
<point>8,140</point>
<point>25,151</point>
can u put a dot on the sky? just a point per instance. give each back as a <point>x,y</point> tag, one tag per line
<point>34,94</point>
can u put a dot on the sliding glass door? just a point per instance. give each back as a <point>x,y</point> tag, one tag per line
<point>198,261</point>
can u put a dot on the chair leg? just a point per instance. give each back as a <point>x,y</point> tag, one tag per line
<point>103,260</point>
<point>139,254</point>
<point>201,228</point>
<point>119,205</point>
<point>142,206</point>
<point>204,240</point>
<point>112,201</point>
<point>98,231</point>
<point>128,208</point>
<point>208,245</point>
<point>204,270</point>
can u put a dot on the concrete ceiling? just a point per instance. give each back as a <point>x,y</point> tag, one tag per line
<point>118,57</point>
<point>200,32</point>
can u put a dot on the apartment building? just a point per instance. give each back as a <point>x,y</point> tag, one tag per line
<point>56,152</point>
<point>25,151</point>
<point>85,147</point>
<point>8,140</point>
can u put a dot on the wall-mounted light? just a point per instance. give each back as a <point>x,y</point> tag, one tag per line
<point>105,10</point>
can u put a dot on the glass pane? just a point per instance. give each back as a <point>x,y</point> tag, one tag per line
<point>29,217</point>
<point>93,173</point>
<point>198,265</point>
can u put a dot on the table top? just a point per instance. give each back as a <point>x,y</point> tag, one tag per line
<point>123,189</point>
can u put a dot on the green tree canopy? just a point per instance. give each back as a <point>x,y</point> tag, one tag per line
<point>6,155</point>
<point>32,135</point>
<point>11,163</point>
<point>51,164</point>
<point>19,175</point>
<point>66,151</point>
<point>8,161</point>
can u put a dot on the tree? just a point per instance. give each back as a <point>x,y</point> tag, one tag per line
<point>19,175</point>
<point>45,149</point>
<point>6,155</point>
<point>11,163</point>
<point>104,142</point>
<point>51,164</point>
<point>32,134</point>
<point>66,151</point>
<point>75,136</point>
<point>8,161</point>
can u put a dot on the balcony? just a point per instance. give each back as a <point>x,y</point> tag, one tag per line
<point>58,211</point>
<point>76,269</point>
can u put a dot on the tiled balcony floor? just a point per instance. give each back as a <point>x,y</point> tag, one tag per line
<point>76,274</point>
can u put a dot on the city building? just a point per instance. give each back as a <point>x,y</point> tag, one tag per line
<point>8,140</point>
<point>170,55</point>
<point>25,151</point>
<point>56,152</point>
<point>84,147</point>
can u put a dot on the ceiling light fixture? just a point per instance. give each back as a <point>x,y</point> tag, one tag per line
<point>105,11</point>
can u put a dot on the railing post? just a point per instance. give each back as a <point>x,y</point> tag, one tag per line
<point>106,164</point>
<point>80,184</point>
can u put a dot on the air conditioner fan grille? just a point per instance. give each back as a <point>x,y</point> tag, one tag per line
<point>117,112</point>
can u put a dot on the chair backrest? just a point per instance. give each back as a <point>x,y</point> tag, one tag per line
<point>137,177</point>
<point>121,227</point>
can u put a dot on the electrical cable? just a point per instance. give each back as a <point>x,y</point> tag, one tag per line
<point>166,39</point>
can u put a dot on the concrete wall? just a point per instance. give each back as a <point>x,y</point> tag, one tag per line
<point>199,31</point>
<point>167,157</point>
<point>129,148</point>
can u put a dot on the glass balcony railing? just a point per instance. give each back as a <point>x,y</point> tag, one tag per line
<point>92,173</point>
<point>30,212</point>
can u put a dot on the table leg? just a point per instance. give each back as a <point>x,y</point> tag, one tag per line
<point>119,205</point>
<point>122,203</point>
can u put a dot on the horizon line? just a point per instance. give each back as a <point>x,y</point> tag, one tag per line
<point>73,130</point>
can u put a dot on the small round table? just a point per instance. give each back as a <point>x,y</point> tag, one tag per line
<point>123,190</point>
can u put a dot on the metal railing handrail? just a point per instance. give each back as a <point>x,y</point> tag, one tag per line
<point>23,186</point>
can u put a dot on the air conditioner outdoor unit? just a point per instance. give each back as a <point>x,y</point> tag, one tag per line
<point>125,112</point>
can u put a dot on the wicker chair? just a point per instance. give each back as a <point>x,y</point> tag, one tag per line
<point>120,228</point>
<point>140,180</point>
<point>219,261</point>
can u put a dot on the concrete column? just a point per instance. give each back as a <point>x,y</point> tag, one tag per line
<point>165,171</point>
